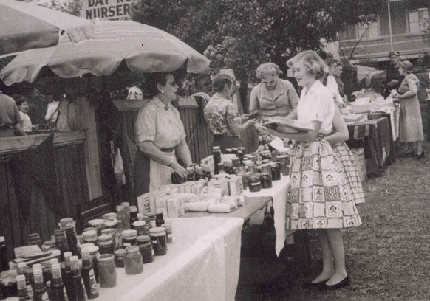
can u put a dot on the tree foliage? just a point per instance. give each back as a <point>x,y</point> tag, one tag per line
<point>248,32</point>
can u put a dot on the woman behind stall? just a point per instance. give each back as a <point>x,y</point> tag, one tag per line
<point>319,196</point>
<point>160,136</point>
<point>222,116</point>
<point>411,124</point>
<point>273,97</point>
<point>334,84</point>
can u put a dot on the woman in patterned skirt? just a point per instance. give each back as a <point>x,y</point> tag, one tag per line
<point>319,196</point>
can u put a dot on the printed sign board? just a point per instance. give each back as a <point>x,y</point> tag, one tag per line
<point>106,9</point>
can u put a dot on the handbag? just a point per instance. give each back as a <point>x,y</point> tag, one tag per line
<point>259,240</point>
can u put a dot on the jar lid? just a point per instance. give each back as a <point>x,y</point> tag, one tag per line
<point>1,238</point>
<point>104,238</point>
<point>111,223</point>
<point>129,233</point>
<point>282,156</point>
<point>38,265</point>
<point>273,164</point>
<point>248,163</point>
<point>265,175</point>
<point>156,230</point>
<point>53,261</point>
<point>140,216</point>
<point>90,234</point>
<point>125,204</point>
<point>133,209</point>
<point>139,223</point>
<point>131,249</point>
<point>143,238</point>
<point>33,235</point>
<point>92,249</point>
<point>56,266</point>
<point>216,148</point>
<point>66,220</point>
<point>96,222</point>
<point>109,232</point>
<point>67,254</point>
<point>119,208</point>
<point>120,252</point>
<point>110,216</point>
<point>106,258</point>
<point>87,245</point>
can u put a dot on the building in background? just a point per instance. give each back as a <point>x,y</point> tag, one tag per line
<point>400,27</point>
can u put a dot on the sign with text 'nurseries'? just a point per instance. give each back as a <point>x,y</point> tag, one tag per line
<point>106,9</point>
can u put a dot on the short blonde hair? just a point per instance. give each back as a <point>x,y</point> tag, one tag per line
<point>312,61</point>
<point>267,69</point>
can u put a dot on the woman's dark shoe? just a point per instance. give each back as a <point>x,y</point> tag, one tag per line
<point>420,156</point>
<point>310,284</point>
<point>343,283</point>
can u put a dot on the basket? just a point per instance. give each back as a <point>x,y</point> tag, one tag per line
<point>360,161</point>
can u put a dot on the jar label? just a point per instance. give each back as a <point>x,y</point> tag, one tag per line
<point>93,284</point>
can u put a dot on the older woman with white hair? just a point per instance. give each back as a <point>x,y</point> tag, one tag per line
<point>273,96</point>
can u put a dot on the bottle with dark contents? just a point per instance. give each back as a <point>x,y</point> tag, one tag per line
<point>22,288</point>
<point>158,239</point>
<point>254,183</point>
<point>39,290</point>
<point>67,277</point>
<point>240,154</point>
<point>78,283</point>
<point>159,219</point>
<point>276,171</point>
<point>216,152</point>
<point>106,244</point>
<point>23,270</point>
<point>95,255</point>
<point>91,286</point>
<point>46,269</point>
<point>145,247</point>
<point>133,215</point>
<point>266,181</point>
<point>72,240</point>
<point>57,289</point>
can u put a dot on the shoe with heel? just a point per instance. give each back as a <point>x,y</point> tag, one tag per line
<point>345,282</point>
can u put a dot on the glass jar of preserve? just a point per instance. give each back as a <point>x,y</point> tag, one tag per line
<point>90,237</point>
<point>284,160</point>
<point>106,245</point>
<point>129,237</point>
<point>169,234</point>
<point>139,226</point>
<point>276,171</point>
<point>133,261</point>
<point>266,181</point>
<point>111,224</point>
<point>217,159</point>
<point>107,271</point>
<point>158,239</point>
<point>145,247</point>
<point>119,258</point>
<point>254,183</point>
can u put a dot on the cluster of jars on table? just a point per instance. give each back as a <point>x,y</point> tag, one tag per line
<point>258,169</point>
<point>79,265</point>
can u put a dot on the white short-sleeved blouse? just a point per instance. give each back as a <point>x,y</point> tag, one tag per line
<point>155,123</point>
<point>317,105</point>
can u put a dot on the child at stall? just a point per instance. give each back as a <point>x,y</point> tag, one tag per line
<point>23,107</point>
<point>319,196</point>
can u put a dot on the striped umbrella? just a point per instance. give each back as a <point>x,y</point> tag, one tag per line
<point>28,26</point>
<point>143,49</point>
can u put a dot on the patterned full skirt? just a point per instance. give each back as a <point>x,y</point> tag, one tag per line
<point>319,196</point>
<point>347,159</point>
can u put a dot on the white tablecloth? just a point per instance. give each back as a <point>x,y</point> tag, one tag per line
<point>279,194</point>
<point>202,263</point>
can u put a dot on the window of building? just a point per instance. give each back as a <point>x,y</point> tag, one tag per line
<point>368,31</point>
<point>418,20</point>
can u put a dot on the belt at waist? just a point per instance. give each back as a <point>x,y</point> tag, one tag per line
<point>167,150</point>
